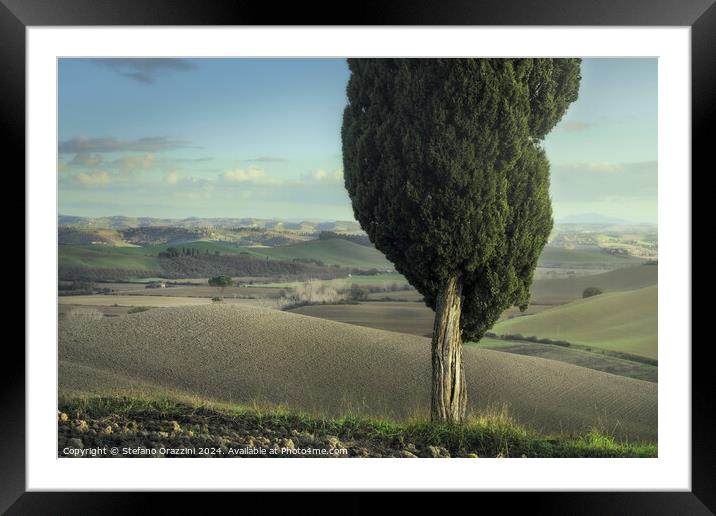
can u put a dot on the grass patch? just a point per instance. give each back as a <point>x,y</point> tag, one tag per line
<point>491,435</point>
<point>138,309</point>
<point>301,304</point>
<point>330,252</point>
<point>491,339</point>
<point>624,322</point>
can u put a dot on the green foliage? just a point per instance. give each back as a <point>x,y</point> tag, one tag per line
<point>592,291</point>
<point>446,174</point>
<point>171,252</point>
<point>358,293</point>
<point>357,239</point>
<point>221,282</point>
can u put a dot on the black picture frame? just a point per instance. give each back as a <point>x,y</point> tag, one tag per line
<point>700,15</point>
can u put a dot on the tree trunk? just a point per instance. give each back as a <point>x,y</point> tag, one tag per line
<point>449,394</point>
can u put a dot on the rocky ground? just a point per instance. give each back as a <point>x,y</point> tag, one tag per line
<point>110,426</point>
<point>215,435</point>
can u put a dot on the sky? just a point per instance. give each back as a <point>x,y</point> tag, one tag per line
<point>178,138</point>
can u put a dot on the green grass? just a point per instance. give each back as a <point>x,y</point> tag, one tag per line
<point>491,435</point>
<point>632,366</point>
<point>330,252</point>
<point>138,309</point>
<point>625,322</point>
<point>490,343</point>
<point>106,257</point>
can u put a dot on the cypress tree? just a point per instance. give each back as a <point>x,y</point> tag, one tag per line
<point>446,173</point>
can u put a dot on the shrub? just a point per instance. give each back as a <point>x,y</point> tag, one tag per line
<point>591,291</point>
<point>137,309</point>
<point>358,293</point>
<point>221,282</point>
<point>216,299</point>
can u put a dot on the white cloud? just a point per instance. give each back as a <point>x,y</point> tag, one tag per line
<point>250,175</point>
<point>85,159</point>
<point>171,178</point>
<point>93,178</point>
<point>148,144</point>
<point>319,174</point>
<point>130,164</point>
<point>322,176</point>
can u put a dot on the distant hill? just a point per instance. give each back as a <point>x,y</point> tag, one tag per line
<point>79,236</point>
<point>331,252</point>
<point>96,256</point>
<point>588,258</point>
<point>591,218</point>
<point>620,321</point>
<point>122,222</point>
<point>314,258</point>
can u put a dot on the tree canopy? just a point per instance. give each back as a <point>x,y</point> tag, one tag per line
<point>445,170</point>
<point>221,282</point>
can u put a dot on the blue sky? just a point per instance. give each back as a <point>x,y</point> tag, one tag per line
<point>261,138</point>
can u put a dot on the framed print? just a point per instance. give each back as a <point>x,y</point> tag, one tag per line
<point>423,233</point>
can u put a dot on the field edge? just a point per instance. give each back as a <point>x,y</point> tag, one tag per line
<point>164,423</point>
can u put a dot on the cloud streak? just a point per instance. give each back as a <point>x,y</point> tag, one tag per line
<point>98,145</point>
<point>322,176</point>
<point>267,159</point>
<point>100,178</point>
<point>250,175</point>
<point>146,71</point>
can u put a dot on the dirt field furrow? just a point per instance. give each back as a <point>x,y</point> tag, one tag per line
<point>247,354</point>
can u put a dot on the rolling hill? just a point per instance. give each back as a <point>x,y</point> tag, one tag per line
<point>564,290</point>
<point>106,257</point>
<point>245,354</point>
<point>587,258</point>
<point>626,322</point>
<point>330,252</point>
<point>80,236</point>
<point>121,222</point>
<point>144,261</point>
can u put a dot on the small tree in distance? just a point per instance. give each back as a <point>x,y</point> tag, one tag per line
<point>221,282</point>
<point>591,291</point>
<point>443,164</point>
